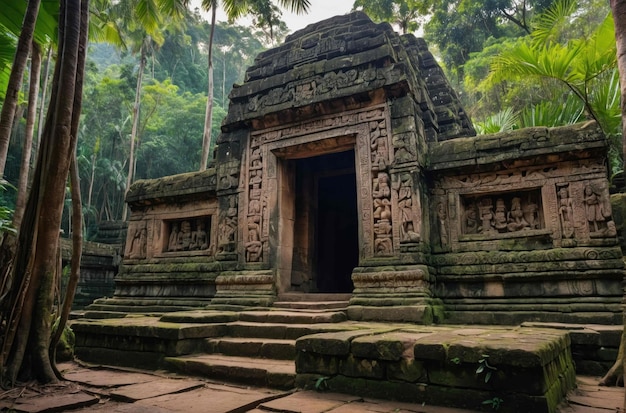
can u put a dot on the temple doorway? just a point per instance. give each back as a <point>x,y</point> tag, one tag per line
<point>326,247</point>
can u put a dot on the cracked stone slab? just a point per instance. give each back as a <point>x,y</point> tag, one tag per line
<point>155,388</point>
<point>52,403</point>
<point>212,398</point>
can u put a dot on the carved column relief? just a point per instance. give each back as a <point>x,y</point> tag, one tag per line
<point>254,224</point>
<point>381,187</point>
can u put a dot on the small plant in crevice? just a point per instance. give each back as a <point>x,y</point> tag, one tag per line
<point>455,360</point>
<point>494,403</point>
<point>485,367</point>
<point>321,383</point>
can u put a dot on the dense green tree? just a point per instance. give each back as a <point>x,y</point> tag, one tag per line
<point>15,11</point>
<point>407,15</point>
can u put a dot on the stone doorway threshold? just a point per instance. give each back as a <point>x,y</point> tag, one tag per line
<point>312,301</point>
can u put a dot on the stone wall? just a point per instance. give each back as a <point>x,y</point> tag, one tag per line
<point>172,241</point>
<point>524,228</point>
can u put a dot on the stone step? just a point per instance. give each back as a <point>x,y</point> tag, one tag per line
<point>278,374</point>
<point>312,305</point>
<point>281,331</point>
<point>313,297</point>
<point>266,348</point>
<point>293,317</point>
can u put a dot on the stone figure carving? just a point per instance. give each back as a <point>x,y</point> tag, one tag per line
<point>471,220</point>
<point>172,245</point>
<point>403,151</point>
<point>138,244</point>
<point>566,212</point>
<point>199,239</point>
<point>442,221</point>
<point>382,235</point>
<point>254,247</point>
<point>516,219</point>
<point>500,216</point>
<point>405,208</point>
<point>530,210</point>
<point>378,142</point>
<point>382,196</point>
<point>184,236</point>
<point>598,214</point>
<point>485,209</point>
<point>228,227</point>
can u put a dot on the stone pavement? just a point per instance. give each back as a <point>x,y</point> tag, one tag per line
<point>118,390</point>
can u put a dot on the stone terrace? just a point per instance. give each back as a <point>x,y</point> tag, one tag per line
<point>529,367</point>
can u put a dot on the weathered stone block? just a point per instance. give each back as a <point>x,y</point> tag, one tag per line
<point>361,367</point>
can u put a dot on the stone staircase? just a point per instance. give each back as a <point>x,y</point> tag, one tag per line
<point>260,346</point>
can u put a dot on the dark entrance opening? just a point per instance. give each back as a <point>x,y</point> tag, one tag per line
<point>326,223</point>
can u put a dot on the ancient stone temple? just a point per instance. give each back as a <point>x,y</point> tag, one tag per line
<point>346,164</point>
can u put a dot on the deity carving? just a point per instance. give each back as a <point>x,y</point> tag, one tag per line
<point>408,224</point>
<point>442,223</point>
<point>254,247</point>
<point>172,245</point>
<point>184,236</point>
<point>228,227</point>
<point>199,239</point>
<point>500,216</point>
<point>566,212</point>
<point>598,213</point>
<point>138,245</point>
<point>516,220</point>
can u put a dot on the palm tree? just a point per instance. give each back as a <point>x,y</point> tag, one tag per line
<point>234,9</point>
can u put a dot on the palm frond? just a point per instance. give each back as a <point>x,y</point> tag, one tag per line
<point>548,25</point>
<point>551,113</point>
<point>503,121</point>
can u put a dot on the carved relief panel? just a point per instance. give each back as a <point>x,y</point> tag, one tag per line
<point>191,234</point>
<point>567,204</point>
<point>502,212</point>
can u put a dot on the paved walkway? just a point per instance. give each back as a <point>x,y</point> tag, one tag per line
<point>133,391</point>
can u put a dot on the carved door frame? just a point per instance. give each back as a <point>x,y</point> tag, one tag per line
<point>261,198</point>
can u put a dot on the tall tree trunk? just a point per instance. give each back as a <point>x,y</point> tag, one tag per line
<point>617,373</point>
<point>39,232</point>
<point>77,211</point>
<point>33,93</point>
<point>208,118</point>
<point>15,79</point>
<point>135,127</point>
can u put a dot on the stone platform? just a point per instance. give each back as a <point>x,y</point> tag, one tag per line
<point>529,368</point>
<point>526,367</point>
